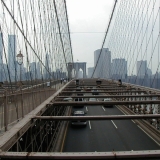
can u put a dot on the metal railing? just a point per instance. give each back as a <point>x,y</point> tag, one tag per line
<point>14,105</point>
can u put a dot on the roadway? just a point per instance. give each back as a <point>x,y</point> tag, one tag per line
<point>104,136</point>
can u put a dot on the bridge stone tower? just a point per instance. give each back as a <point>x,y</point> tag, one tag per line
<point>76,66</point>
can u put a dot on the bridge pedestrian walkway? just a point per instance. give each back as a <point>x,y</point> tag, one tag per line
<point>15,106</point>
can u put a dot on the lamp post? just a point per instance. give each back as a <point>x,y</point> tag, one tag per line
<point>20,61</point>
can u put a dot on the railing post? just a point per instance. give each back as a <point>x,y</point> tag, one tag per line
<point>5,111</point>
<point>22,101</point>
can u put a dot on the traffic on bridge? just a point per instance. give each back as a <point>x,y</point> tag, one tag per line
<point>79,79</point>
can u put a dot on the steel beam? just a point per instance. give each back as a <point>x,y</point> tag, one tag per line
<point>125,91</point>
<point>100,89</point>
<point>112,96</point>
<point>59,103</point>
<point>82,155</point>
<point>108,117</point>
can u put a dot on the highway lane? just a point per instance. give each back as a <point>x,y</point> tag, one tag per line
<point>104,135</point>
<point>135,136</point>
<point>76,135</point>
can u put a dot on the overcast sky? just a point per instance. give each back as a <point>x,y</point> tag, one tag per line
<point>86,18</point>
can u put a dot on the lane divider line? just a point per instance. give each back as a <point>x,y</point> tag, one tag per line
<point>103,108</point>
<point>120,110</point>
<point>64,137</point>
<point>133,121</point>
<point>90,125</point>
<point>148,135</point>
<point>114,124</point>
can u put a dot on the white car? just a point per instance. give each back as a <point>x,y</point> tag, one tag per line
<point>78,122</point>
<point>68,99</point>
<point>92,99</point>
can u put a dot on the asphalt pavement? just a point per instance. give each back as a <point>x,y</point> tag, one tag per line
<point>107,135</point>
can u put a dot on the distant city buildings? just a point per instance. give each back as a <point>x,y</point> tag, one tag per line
<point>103,68</point>
<point>1,58</point>
<point>80,74</point>
<point>119,68</point>
<point>141,68</point>
<point>90,71</point>
<point>38,69</point>
<point>33,70</point>
<point>47,68</point>
<point>12,52</point>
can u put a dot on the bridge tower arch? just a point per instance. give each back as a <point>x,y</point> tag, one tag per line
<point>77,66</point>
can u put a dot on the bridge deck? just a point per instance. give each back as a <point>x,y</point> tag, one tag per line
<point>44,129</point>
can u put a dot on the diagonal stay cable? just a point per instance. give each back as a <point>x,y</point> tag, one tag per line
<point>59,31</point>
<point>68,29</point>
<point>22,33</point>
<point>105,36</point>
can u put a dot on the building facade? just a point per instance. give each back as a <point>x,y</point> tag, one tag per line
<point>141,68</point>
<point>119,68</point>
<point>12,52</point>
<point>1,57</point>
<point>103,68</point>
<point>90,72</point>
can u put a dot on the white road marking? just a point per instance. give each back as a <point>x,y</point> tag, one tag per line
<point>148,135</point>
<point>86,109</point>
<point>124,113</point>
<point>89,124</point>
<point>114,124</point>
<point>120,110</point>
<point>103,108</point>
<point>133,121</point>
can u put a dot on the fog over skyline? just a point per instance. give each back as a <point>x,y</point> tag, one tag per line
<point>88,20</point>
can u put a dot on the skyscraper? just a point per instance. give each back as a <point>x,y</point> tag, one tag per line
<point>119,68</point>
<point>103,69</point>
<point>141,68</point>
<point>38,68</point>
<point>90,71</point>
<point>12,51</point>
<point>1,57</point>
<point>47,68</point>
<point>33,70</point>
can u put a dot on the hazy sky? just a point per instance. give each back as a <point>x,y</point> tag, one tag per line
<point>86,18</point>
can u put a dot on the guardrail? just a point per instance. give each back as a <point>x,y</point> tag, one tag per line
<point>15,105</point>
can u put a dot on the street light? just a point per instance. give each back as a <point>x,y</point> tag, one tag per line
<point>20,61</point>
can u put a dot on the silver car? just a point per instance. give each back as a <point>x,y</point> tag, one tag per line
<point>78,122</point>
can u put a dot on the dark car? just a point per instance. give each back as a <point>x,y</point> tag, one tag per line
<point>95,92</point>
<point>107,100</point>
<point>78,100</point>
<point>78,122</point>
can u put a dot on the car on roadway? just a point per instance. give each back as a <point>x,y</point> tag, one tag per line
<point>92,99</point>
<point>79,100</point>
<point>78,122</point>
<point>107,100</point>
<point>69,99</point>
